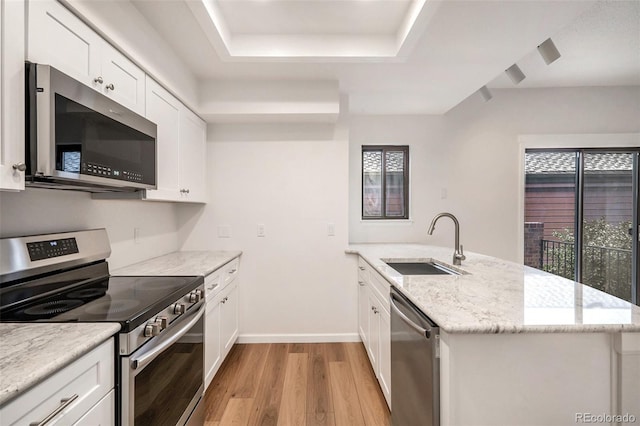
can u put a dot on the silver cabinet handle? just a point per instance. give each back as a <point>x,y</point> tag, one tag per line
<point>233,271</point>
<point>21,167</point>
<point>361,283</point>
<point>98,80</point>
<point>224,300</point>
<point>425,332</point>
<point>110,86</point>
<point>361,268</point>
<point>64,403</point>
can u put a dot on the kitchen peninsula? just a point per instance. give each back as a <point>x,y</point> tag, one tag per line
<point>518,345</point>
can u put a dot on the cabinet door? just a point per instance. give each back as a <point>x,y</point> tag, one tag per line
<point>384,358</point>
<point>363,311</point>
<point>79,386</point>
<point>123,81</point>
<point>60,39</point>
<point>193,151</point>
<point>11,94</point>
<point>229,317</point>
<point>164,110</point>
<point>212,353</point>
<point>373,347</point>
<point>102,414</point>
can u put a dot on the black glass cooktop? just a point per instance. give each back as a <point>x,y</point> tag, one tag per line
<point>128,300</point>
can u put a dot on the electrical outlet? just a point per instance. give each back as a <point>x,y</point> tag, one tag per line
<point>261,232</point>
<point>331,229</point>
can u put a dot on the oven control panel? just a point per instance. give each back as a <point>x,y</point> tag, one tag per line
<point>52,248</point>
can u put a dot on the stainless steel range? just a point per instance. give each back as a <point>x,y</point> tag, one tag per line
<point>65,278</point>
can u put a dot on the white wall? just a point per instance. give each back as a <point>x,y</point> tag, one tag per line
<point>36,211</point>
<point>296,282</point>
<point>428,140</point>
<point>467,161</point>
<point>483,167</point>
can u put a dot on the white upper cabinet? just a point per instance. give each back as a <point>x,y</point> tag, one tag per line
<point>122,79</point>
<point>58,38</point>
<point>181,148</point>
<point>193,150</point>
<point>12,94</point>
<point>164,110</point>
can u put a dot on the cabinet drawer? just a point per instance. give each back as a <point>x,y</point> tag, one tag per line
<point>79,386</point>
<point>101,414</point>
<point>363,270</point>
<point>212,283</point>
<point>381,287</point>
<point>230,271</point>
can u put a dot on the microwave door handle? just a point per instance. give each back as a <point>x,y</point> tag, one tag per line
<point>144,359</point>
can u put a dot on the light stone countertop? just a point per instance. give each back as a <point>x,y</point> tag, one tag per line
<point>180,263</point>
<point>29,353</point>
<point>498,296</point>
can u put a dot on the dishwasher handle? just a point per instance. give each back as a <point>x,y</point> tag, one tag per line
<point>424,331</point>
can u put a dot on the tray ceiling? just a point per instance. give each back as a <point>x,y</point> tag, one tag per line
<point>423,58</point>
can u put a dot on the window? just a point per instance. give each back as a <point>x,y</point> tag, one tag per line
<point>582,217</point>
<point>385,182</point>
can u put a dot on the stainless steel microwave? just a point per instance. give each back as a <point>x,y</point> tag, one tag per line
<point>79,139</point>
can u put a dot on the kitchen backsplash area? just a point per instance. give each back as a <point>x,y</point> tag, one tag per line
<point>137,230</point>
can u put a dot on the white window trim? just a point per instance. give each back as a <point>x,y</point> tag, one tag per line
<point>605,140</point>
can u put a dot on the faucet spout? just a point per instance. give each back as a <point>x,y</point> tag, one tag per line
<point>458,253</point>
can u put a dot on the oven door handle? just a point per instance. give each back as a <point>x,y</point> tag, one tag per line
<point>141,361</point>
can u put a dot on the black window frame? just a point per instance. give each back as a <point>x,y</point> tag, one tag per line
<point>578,209</point>
<point>384,149</point>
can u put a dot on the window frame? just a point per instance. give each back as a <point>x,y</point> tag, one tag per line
<point>580,150</point>
<point>405,175</point>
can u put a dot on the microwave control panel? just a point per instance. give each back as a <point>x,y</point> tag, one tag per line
<point>108,172</point>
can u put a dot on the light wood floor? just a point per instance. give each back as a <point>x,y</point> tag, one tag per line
<point>299,384</point>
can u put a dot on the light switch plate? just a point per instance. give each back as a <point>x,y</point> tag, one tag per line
<point>331,229</point>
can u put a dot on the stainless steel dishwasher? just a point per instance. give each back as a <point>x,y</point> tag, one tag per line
<point>415,365</point>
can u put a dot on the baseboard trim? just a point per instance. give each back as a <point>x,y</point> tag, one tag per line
<point>298,338</point>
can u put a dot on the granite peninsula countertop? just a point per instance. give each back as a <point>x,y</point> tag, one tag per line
<point>180,263</point>
<point>499,296</point>
<point>29,353</point>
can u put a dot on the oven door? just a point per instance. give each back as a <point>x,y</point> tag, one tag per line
<point>162,382</point>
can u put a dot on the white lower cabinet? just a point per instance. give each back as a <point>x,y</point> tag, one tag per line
<point>229,317</point>
<point>363,312</point>
<point>102,414</point>
<point>212,352</point>
<point>221,317</point>
<point>384,357</point>
<point>73,395</point>
<point>374,324</point>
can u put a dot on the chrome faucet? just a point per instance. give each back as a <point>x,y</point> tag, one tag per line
<point>458,254</point>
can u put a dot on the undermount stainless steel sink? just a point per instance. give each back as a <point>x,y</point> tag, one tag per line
<point>426,267</point>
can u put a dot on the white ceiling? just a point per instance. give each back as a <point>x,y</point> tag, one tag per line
<point>452,49</point>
